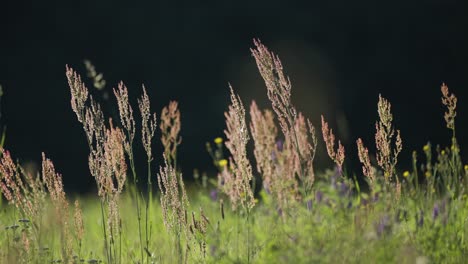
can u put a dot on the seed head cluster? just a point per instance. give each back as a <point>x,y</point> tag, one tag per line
<point>237,181</point>
<point>148,122</point>
<point>329,138</point>
<point>387,156</point>
<point>170,128</point>
<point>364,158</point>
<point>450,101</point>
<point>174,200</point>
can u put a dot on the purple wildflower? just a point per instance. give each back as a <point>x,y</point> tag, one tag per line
<point>214,195</point>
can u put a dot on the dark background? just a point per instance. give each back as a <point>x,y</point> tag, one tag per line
<point>339,54</point>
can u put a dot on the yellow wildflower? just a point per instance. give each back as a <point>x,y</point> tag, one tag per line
<point>218,140</point>
<point>427,174</point>
<point>466,167</point>
<point>406,174</point>
<point>223,163</point>
<point>442,152</point>
<point>426,147</point>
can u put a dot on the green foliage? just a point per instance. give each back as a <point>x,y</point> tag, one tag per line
<point>411,217</point>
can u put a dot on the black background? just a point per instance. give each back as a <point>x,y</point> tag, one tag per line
<point>339,54</point>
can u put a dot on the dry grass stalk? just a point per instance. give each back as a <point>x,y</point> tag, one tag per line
<point>35,192</point>
<point>227,184</point>
<point>107,163</point>
<point>237,185</point>
<point>148,129</point>
<point>450,101</point>
<point>79,93</point>
<point>91,117</point>
<point>278,86</point>
<point>126,115</point>
<point>94,125</point>
<point>367,168</point>
<point>148,123</point>
<point>385,135</point>
<point>107,157</point>
<point>12,183</point>
<point>108,166</point>
<point>329,138</point>
<point>170,128</point>
<point>29,198</point>
<point>307,149</point>
<point>264,133</point>
<point>174,205</point>
<point>53,183</point>
<point>112,176</point>
<point>125,109</point>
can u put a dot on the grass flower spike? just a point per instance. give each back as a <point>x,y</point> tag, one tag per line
<point>237,137</point>
<point>387,155</point>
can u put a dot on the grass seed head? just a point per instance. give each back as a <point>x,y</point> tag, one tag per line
<point>450,101</point>
<point>79,93</point>
<point>170,128</point>
<point>148,123</point>
<point>329,138</point>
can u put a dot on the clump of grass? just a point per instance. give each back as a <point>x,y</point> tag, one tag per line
<point>297,215</point>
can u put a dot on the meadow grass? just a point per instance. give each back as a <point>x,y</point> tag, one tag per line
<point>274,209</point>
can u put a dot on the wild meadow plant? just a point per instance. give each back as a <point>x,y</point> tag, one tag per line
<point>296,214</point>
